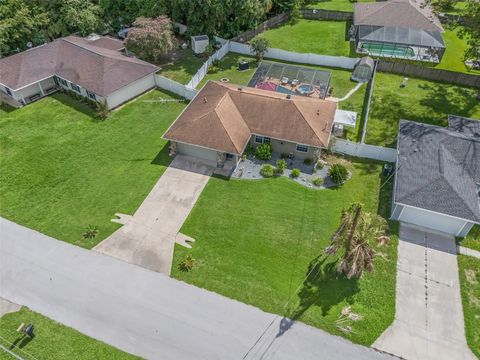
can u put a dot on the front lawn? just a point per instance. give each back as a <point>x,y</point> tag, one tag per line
<point>62,170</point>
<point>52,340</point>
<point>311,36</point>
<point>421,100</point>
<point>339,5</point>
<point>256,240</point>
<point>469,271</point>
<point>472,240</point>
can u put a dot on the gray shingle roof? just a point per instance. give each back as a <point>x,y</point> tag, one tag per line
<point>439,170</point>
<point>466,126</point>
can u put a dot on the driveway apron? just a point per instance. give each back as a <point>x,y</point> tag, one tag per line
<point>148,237</point>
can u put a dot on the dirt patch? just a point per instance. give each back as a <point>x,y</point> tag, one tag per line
<point>471,276</point>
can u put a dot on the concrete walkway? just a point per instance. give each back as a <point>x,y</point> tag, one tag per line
<point>429,316</point>
<point>148,237</point>
<point>147,313</point>
<point>7,307</point>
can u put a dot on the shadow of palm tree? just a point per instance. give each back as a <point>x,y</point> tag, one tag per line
<point>324,287</point>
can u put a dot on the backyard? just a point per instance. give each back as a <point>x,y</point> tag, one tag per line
<point>52,340</point>
<point>183,68</point>
<point>420,100</point>
<point>311,36</point>
<point>63,170</point>
<point>455,48</point>
<point>338,5</point>
<point>469,272</point>
<point>256,240</point>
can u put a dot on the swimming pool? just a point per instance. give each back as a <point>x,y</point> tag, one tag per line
<point>284,90</point>
<point>388,49</point>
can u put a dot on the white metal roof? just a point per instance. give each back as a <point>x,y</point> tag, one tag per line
<point>346,118</point>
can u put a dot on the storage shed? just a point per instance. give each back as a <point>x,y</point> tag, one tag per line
<point>199,43</point>
<point>363,70</point>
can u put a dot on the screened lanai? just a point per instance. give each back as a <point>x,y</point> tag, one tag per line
<point>399,42</point>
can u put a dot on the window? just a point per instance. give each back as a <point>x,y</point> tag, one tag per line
<point>91,95</point>
<point>8,91</point>
<point>63,82</point>
<point>302,148</point>
<point>258,139</point>
<point>75,87</point>
<point>266,140</point>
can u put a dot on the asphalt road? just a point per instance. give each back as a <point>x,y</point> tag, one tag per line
<point>147,313</point>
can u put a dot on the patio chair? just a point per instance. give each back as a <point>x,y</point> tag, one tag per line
<point>284,80</point>
<point>295,82</point>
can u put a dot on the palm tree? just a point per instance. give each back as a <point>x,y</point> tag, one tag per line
<point>355,235</point>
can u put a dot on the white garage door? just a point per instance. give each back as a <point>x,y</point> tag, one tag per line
<point>431,220</point>
<point>196,151</point>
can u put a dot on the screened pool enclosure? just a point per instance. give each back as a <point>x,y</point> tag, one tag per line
<point>398,42</point>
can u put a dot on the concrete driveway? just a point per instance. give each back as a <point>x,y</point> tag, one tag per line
<point>429,316</point>
<point>147,313</point>
<point>148,237</point>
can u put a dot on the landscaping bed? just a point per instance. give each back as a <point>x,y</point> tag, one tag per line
<point>52,340</point>
<point>63,170</point>
<point>469,271</point>
<point>311,36</point>
<point>257,240</point>
<point>420,100</point>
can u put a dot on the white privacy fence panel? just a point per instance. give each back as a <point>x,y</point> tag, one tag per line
<point>175,87</point>
<point>218,55</point>
<point>365,151</point>
<point>313,59</point>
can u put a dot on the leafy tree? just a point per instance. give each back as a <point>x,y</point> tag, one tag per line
<point>355,235</point>
<point>80,15</point>
<point>151,38</point>
<point>471,29</point>
<point>338,173</point>
<point>259,47</point>
<point>20,23</point>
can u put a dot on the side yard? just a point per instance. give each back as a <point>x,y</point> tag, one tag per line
<point>472,241</point>
<point>261,242</point>
<point>63,170</point>
<point>52,340</point>
<point>420,100</point>
<point>469,272</point>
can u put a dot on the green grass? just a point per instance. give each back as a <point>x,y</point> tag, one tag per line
<point>228,68</point>
<point>421,100</point>
<point>52,340</point>
<point>455,49</point>
<point>472,240</point>
<point>256,240</point>
<point>311,36</point>
<point>469,271</point>
<point>182,69</point>
<point>62,170</point>
<point>339,5</point>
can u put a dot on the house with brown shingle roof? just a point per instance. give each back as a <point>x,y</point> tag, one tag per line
<point>93,67</point>
<point>223,119</point>
<point>406,29</point>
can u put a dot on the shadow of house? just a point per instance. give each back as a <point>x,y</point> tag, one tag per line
<point>163,158</point>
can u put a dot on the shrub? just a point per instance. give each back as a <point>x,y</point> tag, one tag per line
<point>91,232</point>
<point>259,47</point>
<point>338,173</point>
<point>267,170</point>
<point>307,161</point>
<point>317,181</point>
<point>295,173</point>
<point>187,263</point>
<point>281,165</point>
<point>249,150</point>
<point>320,165</point>
<point>264,152</point>
<point>102,109</point>
<point>284,155</point>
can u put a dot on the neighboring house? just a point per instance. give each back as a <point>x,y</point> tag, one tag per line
<point>405,29</point>
<point>437,180</point>
<point>223,118</point>
<point>93,67</point>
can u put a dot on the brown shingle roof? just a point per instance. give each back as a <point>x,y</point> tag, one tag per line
<point>223,118</point>
<point>95,68</point>
<point>397,13</point>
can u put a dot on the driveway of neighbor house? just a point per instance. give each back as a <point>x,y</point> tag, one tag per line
<point>148,237</point>
<point>429,317</point>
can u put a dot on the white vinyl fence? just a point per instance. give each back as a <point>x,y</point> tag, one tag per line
<point>312,59</point>
<point>174,87</point>
<point>365,151</point>
<point>218,55</point>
